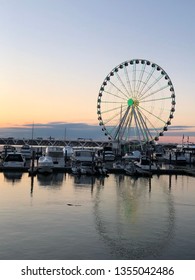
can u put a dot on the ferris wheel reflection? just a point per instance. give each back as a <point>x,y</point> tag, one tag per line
<point>139,221</point>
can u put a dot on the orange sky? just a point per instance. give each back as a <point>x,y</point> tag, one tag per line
<point>54,58</point>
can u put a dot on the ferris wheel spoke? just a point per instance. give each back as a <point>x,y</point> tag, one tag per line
<point>115,116</point>
<point>125,130</point>
<point>145,127</point>
<point>134,76</point>
<point>122,83</point>
<point>137,126</point>
<point>145,82</point>
<point>110,120</point>
<point>118,89</point>
<point>156,117</point>
<point>130,122</point>
<point>121,123</point>
<point>141,77</point>
<point>154,92</point>
<point>151,85</point>
<point>128,81</point>
<point>110,93</point>
<point>151,124</point>
<point>113,131</point>
<point>112,102</point>
<point>154,128</point>
<point>156,99</point>
<point>115,109</point>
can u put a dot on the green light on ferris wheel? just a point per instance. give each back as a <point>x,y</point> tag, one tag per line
<point>130,102</point>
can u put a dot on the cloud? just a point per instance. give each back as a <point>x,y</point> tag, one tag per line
<point>181,128</point>
<point>58,130</point>
<point>72,131</point>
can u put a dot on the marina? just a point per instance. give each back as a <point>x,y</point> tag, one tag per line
<point>92,161</point>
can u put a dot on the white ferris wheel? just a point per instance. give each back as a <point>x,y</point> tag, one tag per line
<point>136,102</point>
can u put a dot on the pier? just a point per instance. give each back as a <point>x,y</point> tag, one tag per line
<point>80,142</point>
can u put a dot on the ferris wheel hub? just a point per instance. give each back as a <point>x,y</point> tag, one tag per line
<point>132,102</point>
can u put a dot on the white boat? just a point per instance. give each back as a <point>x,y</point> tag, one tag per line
<point>26,151</point>
<point>108,156</point>
<point>68,152</point>
<point>83,161</point>
<point>45,164</point>
<point>57,155</point>
<point>146,164</point>
<point>88,168</point>
<point>137,170</point>
<point>14,160</point>
<point>86,161</point>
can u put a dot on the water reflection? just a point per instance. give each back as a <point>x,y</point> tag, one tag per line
<point>84,180</point>
<point>137,224</point>
<point>13,176</point>
<point>118,217</point>
<point>52,180</point>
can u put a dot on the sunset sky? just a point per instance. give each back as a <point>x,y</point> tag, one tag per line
<point>54,56</point>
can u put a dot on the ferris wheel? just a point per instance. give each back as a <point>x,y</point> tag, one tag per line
<point>136,102</point>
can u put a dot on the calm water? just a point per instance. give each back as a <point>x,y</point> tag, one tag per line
<point>66,217</point>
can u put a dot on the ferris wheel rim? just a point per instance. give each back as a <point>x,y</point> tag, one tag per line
<point>133,100</point>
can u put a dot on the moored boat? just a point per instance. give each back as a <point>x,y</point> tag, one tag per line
<point>87,161</point>
<point>26,151</point>
<point>108,154</point>
<point>14,160</point>
<point>68,152</point>
<point>83,161</point>
<point>57,155</point>
<point>45,164</point>
<point>146,164</point>
<point>83,155</point>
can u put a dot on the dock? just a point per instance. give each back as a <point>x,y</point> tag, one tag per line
<point>164,169</point>
<point>172,170</point>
